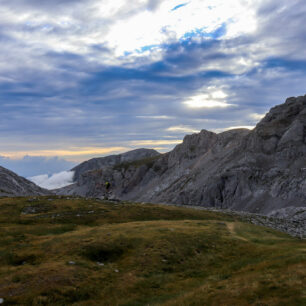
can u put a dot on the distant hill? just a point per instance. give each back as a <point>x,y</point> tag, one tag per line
<point>261,170</point>
<point>13,185</point>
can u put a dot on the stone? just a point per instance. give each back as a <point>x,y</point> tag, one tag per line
<point>257,171</point>
<point>12,185</point>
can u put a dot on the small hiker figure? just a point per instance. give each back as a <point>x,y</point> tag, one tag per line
<point>107,187</point>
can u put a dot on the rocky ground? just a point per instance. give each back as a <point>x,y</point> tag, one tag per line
<point>295,227</point>
<point>290,220</point>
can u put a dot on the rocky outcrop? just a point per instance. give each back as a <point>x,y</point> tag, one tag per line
<point>256,171</point>
<point>290,220</point>
<point>13,185</point>
<point>90,176</point>
<point>112,160</point>
<point>292,213</point>
<point>292,224</point>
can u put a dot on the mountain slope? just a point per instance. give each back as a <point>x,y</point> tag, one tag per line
<point>78,251</point>
<point>13,185</point>
<point>112,160</point>
<point>258,171</point>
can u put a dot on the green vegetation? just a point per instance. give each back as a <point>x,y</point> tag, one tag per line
<point>62,251</point>
<point>148,162</point>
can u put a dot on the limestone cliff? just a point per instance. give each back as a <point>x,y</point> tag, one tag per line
<point>258,171</point>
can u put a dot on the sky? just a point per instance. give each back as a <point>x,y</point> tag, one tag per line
<point>88,78</point>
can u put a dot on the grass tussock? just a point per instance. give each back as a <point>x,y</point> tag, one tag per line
<point>59,251</point>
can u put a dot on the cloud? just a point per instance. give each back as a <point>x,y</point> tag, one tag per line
<point>76,151</point>
<point>161,145</point>
<point>210,97</point>
<point>248,127</point>
<point>54,181</point>
<point>203,101</point>
<point>78,77</point>
<point>181,129</point>
<point>155,117</point>
<point>257,117</point>
<point>35,165</point>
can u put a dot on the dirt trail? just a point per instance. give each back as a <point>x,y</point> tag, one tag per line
<point>231,229</point>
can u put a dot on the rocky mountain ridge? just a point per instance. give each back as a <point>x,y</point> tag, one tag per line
<point>111,161</point>
<point>258,171</point>
<point>12,185</point>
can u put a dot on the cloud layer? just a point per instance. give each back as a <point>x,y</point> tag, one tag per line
<point>36,165</point>
<point>88,77</point>
<point>54,181</point>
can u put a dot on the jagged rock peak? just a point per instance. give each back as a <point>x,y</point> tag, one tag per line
<point>282,127</point>
<point>282,116</point>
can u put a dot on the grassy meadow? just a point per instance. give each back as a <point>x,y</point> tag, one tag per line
<point>70,251</point>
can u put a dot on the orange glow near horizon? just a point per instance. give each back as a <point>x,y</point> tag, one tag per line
<point>68,154</point>
<point>77,154</point>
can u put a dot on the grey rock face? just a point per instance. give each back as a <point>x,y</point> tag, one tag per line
<point>257,171</point>
<point>90,176</point>
<point>292,213</point>
<point>291,226</point>
<point>112,160</point>
<point>13,185</point>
